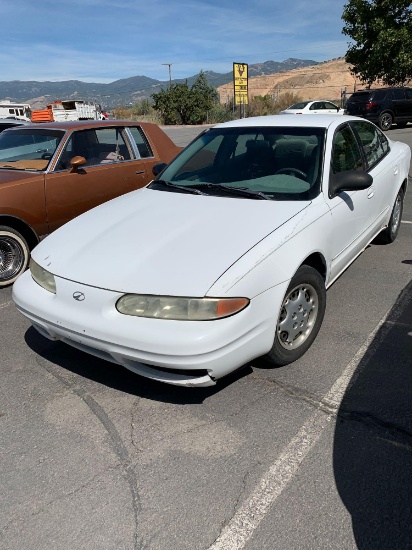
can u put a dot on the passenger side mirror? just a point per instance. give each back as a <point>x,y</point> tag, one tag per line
<point>159,167</point>
<point>350,180</point>
<point>76,163</point>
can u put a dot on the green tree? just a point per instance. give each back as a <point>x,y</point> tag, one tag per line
<point>181,104</point>
<point>382,35</point>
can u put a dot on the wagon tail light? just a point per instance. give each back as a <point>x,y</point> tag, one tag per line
<point>370,105</point>
<point>179,308</point>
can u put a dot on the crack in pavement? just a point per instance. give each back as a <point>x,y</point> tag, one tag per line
<point>114,437</point>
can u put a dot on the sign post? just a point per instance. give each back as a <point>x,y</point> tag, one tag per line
<point>240,81</point>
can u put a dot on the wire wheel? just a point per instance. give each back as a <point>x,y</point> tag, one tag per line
<point>14,255</point>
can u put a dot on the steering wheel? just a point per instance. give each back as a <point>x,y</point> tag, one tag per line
<point>291,171</point>
<point>46,156</point>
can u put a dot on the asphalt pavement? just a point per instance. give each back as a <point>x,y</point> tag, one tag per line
<point>316,455</point>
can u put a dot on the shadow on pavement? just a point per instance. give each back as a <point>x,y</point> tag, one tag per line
<point>57,355</point>
<point>373,438</point>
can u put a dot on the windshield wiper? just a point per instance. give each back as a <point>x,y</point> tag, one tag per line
<point>243,191</point>
<point>170,185</point>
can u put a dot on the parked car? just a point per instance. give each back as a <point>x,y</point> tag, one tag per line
<point>383,106</point>
<point>227,255</point>
<point>51,173</point>
<point>320,107</point>
<point>6,123</point>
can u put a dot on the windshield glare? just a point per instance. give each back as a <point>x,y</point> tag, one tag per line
<point>28,149</point>
<point>284,163</point>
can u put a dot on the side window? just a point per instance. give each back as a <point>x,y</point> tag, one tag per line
<point>100,146</point>
<point>142,143</point>
<point>375,144</point>
<point>408,94</point>
<point>398,94</point>
<point>329,105</point>
<point>346,154</point>
<point>315,106</point>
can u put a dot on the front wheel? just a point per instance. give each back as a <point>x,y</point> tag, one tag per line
<point>385,121</point>
<point>300,317</point>
<point>389,234</point>
<point>14,255</point>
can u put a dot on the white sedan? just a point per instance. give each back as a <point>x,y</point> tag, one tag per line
<point>226,256</point>
<point>319,107</point>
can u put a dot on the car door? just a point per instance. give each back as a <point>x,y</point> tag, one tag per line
<point>376,150</point>
<point>352,212</point>
<point>399,103</point>
<point>112,168</point>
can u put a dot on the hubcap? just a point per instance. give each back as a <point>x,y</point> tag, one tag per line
<point>297,316</point>
<point>11,258</point>
<point>386,122</point>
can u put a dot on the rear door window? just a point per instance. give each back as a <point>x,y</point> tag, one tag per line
<point>142,143</point>
<point>374,143</point>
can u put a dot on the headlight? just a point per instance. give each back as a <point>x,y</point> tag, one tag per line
<point>179,309</point>
<point>42,277</point>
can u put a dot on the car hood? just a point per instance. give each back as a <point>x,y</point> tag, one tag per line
<point>157,242</point>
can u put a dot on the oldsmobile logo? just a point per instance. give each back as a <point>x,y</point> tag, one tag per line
<point>79,296</point>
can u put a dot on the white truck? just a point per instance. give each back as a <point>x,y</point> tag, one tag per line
<point>68,110</point>
<point>19,111</point>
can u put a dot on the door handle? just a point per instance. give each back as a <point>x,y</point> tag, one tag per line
<point>140,171</point>
<point>395,171</point>
<point>371,192</point>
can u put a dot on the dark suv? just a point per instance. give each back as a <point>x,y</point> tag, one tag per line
<point>383,106</point>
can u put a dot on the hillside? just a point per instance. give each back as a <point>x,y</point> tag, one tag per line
<point>321,81</point>
<point>125,91</point>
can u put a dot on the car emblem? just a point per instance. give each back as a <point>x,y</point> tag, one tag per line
<point>79,296</point>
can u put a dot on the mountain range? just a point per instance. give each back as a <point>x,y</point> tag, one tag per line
<point>125,91</point>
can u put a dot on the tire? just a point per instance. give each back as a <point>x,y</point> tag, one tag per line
<point>14,255</point>
<point>303,307</point>
<point>389,234</point>
<point>385,121</point>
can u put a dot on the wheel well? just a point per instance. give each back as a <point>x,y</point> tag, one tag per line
<point>25,230</point>
<point>317,261</point>
<point>404,186</point>
<point>387,111</point>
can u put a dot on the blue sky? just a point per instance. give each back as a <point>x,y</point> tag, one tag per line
<point>105,40</point>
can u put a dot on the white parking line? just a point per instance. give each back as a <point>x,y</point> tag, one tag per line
<point>6,304</point>
<point>247,518</point>
<point>404,221</point>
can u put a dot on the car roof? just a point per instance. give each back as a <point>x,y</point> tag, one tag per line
<point>83,124</point>
<point>318,121</point>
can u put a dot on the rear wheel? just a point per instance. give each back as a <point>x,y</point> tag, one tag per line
<point>300,317</point>
<point>385,121</point>
<point>389,234</point>
<point>14,255</point>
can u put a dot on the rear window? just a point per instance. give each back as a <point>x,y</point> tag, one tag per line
<point>359,97</point>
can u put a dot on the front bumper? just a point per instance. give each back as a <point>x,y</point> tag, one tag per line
<point>185,353</point>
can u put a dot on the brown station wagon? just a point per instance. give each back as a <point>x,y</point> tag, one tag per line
<point>52,172</point>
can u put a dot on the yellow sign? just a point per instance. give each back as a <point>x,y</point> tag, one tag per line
<point>240,80</point>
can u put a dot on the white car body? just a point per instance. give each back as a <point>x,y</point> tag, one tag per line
<point>318,107</point>
<point>174,244</point>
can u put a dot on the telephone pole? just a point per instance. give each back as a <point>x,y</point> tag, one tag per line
<point>170,72</point>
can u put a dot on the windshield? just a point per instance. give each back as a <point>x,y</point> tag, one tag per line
<point>300,105</point>
<point>28,149</point>
<point>283,163</point>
